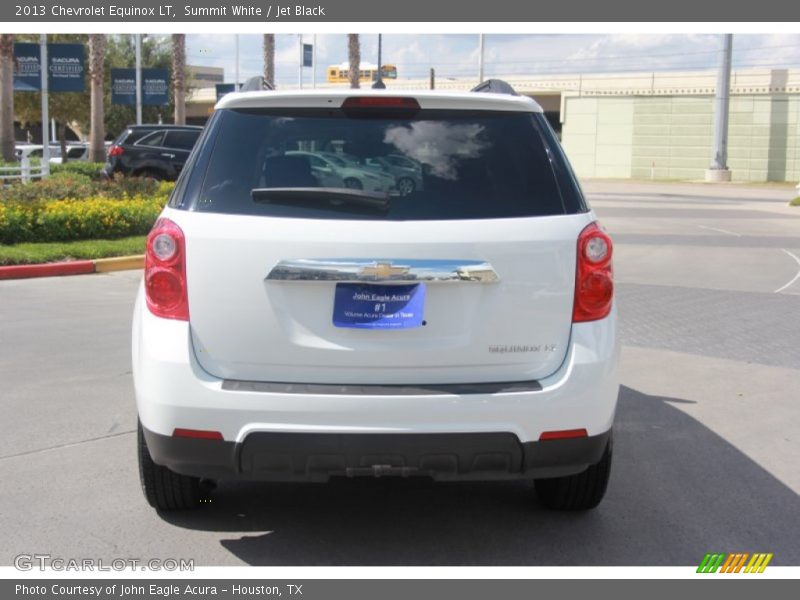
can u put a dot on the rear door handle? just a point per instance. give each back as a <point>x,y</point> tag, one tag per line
<point>383,269</point>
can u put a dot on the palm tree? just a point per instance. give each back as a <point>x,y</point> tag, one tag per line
<point>97,133</point>
<point>354,56</point>
<point>7,96</point>
<point>179,76</point>
<point>269,58</point>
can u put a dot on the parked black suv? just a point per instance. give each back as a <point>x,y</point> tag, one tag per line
<point>157,151</point>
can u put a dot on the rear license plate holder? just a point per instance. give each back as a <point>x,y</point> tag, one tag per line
<point>372,306</point>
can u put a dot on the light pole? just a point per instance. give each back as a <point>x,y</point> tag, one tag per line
<point>300,70</point>
<point>138,51</point>
<point>480,57</point>
<point>43,72</point>
<point>718,171</point>
<point>236,71</point>
<point>379,85</point>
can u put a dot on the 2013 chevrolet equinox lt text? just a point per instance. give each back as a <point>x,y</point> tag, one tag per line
<point>290,327</point>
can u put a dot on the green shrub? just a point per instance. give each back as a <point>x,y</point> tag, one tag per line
<point>78,219</point>
<point>795,202</point>
<point>76,185</point>
<point>89,169</point>
<point>55,187</point>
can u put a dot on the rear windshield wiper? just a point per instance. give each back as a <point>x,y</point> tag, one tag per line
<point>335,196</point>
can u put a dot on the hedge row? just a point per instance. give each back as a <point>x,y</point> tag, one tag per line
<point>75,185</point>
<point>91,218</point>
<point>89,169</point>
<point>78,219</point>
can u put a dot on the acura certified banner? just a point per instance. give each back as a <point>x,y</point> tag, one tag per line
<point>66,67</point>
<point>406,11</point>
<point>155,86</point>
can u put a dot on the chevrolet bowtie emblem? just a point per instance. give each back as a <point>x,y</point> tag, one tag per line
<point>383,269</point>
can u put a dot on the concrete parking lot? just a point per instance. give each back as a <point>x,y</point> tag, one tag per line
<point>707,442</point>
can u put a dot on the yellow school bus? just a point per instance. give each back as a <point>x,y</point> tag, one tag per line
<point>367,72</point>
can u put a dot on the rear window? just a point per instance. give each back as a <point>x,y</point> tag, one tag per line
<point>182,140</point>
<point>131,136</point>
<point>429,165</point>
<point>153,139</point>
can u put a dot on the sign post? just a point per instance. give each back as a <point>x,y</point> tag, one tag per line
<point>45,106</point>
<point>138,43</point>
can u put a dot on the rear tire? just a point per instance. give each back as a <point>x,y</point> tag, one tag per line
<point>165,489</point>
<point>582,491</point>
<point>353,184</point>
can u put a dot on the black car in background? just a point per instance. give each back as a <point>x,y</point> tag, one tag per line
<point>156,151</point>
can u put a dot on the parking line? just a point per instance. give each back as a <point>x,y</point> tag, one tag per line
<point>720,230</point>
<point>795,278</point>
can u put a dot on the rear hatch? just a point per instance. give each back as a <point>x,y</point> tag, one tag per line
<point>468,279</point>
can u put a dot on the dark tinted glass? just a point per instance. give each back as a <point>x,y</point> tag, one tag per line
<point>153,139</point>
<point>131,136</point>
<point>431,164</point>
<point>183,140</point>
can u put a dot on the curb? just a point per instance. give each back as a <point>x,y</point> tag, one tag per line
<point>74,267</point>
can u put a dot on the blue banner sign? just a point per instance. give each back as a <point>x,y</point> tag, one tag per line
<point>308,55</point>
<point>27,70</point>
<point>66,67</point>
<point>155,87</point>
<point>123,86</point>
<point>367,306</point>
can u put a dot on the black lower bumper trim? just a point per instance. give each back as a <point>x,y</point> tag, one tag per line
<point>502,387</point>
<point>319,456</point>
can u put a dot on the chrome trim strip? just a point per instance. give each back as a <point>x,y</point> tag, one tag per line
<point>382,269</point>
<point>422,389</point>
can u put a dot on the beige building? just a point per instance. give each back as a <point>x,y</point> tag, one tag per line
<point>666,131</point>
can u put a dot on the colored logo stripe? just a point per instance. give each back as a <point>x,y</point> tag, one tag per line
<point>734,562</point>
<point>758,563</point>
<point>711,563</point>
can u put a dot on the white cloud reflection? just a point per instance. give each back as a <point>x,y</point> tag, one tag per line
<point>438,145</point>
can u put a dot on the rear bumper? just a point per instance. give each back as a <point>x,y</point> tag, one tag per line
<point>173,391</point>
<point>271,456</point>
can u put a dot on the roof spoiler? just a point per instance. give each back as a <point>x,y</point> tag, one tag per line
<point>495,86</point>
<point>256,84</point>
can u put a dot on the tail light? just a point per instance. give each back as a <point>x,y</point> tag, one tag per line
<point>594,278</point>
<point>165,272</point>
<point>115,151</point>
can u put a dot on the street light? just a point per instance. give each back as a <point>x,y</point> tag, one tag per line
<point>379,85</point>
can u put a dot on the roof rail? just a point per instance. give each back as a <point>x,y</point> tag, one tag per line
<point>495,86</point>
<point>256,84</point>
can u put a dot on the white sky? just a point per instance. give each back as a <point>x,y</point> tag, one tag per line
<point>456,54</point>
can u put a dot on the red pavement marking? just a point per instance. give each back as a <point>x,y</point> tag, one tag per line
<point>76,267</point>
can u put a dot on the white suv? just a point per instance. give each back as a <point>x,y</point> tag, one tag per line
<point>289,331</point>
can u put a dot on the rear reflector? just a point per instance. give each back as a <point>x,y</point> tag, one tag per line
<point>381,102</point>
<point>197,434</point>
<point>116,151</point>
<point>564,434</point>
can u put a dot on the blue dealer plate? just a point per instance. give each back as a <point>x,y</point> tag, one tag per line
<point>367,306</point>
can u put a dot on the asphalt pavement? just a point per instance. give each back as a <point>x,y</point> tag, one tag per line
<point>707,437</point>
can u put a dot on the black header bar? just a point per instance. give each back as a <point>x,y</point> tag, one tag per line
<point>443,11</point>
